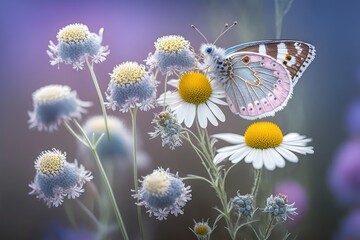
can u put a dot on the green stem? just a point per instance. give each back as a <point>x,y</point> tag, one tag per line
<point>136,185</point>
<point>106,181</point>
<point>88,212</point>
<point>254,191</point>
<point>98,91</point>
<point>269,228</point>
<point>72,132</point>
<point>165,85</point>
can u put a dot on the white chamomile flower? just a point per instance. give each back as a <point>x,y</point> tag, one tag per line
<point>263,144</point>
<point>197,96</point>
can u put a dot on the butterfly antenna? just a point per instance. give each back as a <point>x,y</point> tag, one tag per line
<point>226,28</point>
<point>193,26</point>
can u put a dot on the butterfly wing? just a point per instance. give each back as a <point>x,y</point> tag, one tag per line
<point>257,85</point>
<point>296,56</point>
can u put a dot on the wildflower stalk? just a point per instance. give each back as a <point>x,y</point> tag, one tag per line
<point>105,179</point>
<point>133,112</point>
<point>101,99</point>
<point>255,189</point>
<point>165,85</point>
<point>269,227</point>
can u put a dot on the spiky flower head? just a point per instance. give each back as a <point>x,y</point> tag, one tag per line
<point>163,193</point>
<point>244,204</point>
<point>202,230</point>
<point>172,54</point>
<point>56,178</point>
<point>279,208</point>
<point>76,44</point>
<point>168,128</point>
<point>54,104</point>
<point>131,86</point>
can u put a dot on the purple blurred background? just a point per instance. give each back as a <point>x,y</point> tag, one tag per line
<point>317,108</point>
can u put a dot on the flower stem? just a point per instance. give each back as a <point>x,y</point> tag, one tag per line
<point>106,181</point>
<point>133,112</point>
<point>269,228</point>
<point>98,91</point>
<point>88,212</point>
<point>255,189</point>
<point>165,85</point>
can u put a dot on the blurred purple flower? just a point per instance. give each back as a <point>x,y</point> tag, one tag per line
<point>352,119</point>
<point>59,232</point>
<point>350,227</point>
<point>295,192</point>
<point>344,177</point>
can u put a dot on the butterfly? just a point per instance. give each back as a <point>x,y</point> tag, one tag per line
<point>258,77</point>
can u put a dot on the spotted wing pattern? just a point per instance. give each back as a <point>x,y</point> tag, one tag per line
<point>257,86</point>
<point>296,56</point>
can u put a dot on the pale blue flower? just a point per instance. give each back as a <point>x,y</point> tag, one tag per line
<point>244,204</point>
<point>75,45</point>
<point>54,104</point>
<point>56,178</point>
<point>172,54</point>
<point>163,193</point>
<point>168,128</point>
<point>131,86</point>
<point>279,208</point>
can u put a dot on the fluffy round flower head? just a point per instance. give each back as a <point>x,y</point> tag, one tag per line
<point>296,193</point>
<point>131,86</point>
<point>202,230</point>
<point>53,104</point>
<point>349,228</point>
<point>344,177</point>
<point>168,128</point>
<point>163,193</point>
<point>279,208</point>
<point>56,178</point>
<point>75,45</point>
<point>172,54</point>
<point>263,145</point>
<point>197,96</point>
<point>244,204</point>
<point>352,119</point>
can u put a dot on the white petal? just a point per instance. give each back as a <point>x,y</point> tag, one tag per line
<point>190,115</point>
<point>269,160</point>
<point>217,111</point>
<point>173,82</point>
<point>217,101</point>
<point>292,137</point>
<point>181,112</point>
<point>210,116</point>
<point>276,157</point>
<point>291,157</point>
<point>201,115</point>
<point>258,159</point>
<point>239,154</point>
<point>251,156</point>
<point>230,137</point>
<point>301,150</point>
<point>230,148</point>
<point>221,157</point>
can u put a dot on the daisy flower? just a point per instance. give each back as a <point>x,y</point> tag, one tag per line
<point>56,178</point>
<point>163,193</point>
<point>202,230</point>
<point>75,45</point>
<point>172,54</point>
<point>263,145</point>
<point>54,104</point>
<point>197,96</point>
<point>131,86</point>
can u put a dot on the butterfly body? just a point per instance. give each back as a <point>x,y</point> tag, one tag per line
<point>258,77</point>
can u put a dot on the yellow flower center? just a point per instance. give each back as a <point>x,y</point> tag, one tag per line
<point>263,135</point>
<point>194,88</point>
<point>51,163</point>
<point>157,183</point>
<point>201,230</point>
<point>74,33</point>
<point>171,44</point>
<point>51,92</point>
<point>128,73</point>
